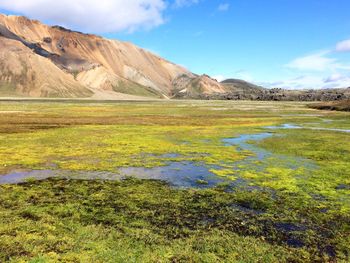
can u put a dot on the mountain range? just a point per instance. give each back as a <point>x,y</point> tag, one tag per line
<point>37,60</point>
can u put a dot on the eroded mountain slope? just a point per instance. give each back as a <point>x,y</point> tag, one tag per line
<point>84,61</point>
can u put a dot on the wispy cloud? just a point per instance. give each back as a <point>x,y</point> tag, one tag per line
<point>314,62</point>
<point>319,61</point>
<point>335,77</point>
<point>182,3</point>
<point>224,7</point>
<point>322,69</point>
<point>311,81</point>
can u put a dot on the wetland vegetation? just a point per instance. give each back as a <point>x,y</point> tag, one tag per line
<point>343,105</point>
<point>175,181</point>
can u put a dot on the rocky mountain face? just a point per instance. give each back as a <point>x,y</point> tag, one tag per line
<point>197,87</point>
<point>41,61</point>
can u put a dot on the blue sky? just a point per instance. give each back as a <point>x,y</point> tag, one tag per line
<point>277,43</point>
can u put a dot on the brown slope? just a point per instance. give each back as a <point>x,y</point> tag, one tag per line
<point>76,52</point>
<point>23,73</point>
<point>197,87</point>
<point>99,80</point>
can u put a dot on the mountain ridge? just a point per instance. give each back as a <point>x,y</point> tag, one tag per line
<point>122,63</point>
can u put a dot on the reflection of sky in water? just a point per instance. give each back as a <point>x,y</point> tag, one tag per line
<point>178,174</point>
<point>243,145</point>
<point>262,158</point>
<point>292,126</point>
<point>19,176</point>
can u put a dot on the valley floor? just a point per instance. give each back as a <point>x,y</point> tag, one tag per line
<point>173,181</point>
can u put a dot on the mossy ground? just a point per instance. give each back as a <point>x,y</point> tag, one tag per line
<point>284,214</point>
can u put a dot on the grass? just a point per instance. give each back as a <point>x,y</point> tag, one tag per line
<point>281,213</point>
<point>148,221</point>
<point>134,88</point>
<point>7,90</point>
<point>338,105</point>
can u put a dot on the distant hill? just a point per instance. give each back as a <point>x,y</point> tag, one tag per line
<point>242,90</point>
<point>241,85</point>
<point>197,87</point>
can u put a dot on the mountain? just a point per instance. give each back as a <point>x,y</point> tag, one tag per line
<point>242,90</point>
<point>241,85</point>
<point>197,87</point>
<point>37,60</point>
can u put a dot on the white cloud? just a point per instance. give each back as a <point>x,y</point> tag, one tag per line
<point>314,62</point>
<point>317,62</point>
<point>324,69</point>
<point>301,82</point>
<point>224,7</point>
<point>337,80</point>
<point>92,15</point>
<point>182,3</point>
<point>311,82</point>
<point>343,46</point>
<point>335,77</point>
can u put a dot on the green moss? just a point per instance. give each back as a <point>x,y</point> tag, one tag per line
<point>8,89</point>
<point>226,173</point>
<point>134,88</point>
<point>147,221</point>
<point>53,221</point>
<point>328,150</point>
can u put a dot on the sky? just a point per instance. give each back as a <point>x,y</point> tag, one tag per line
<point>297,44</point>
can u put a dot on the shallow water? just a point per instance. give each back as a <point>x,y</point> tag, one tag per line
<point>178,174</point>
<point>188,174</point>
<point>292,126</point>
<point>19,176</point>
<point>184,174</point>
<point>243,145</point>
<point>261,158</point>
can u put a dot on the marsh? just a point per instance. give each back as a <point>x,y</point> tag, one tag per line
<point>176,181</point>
